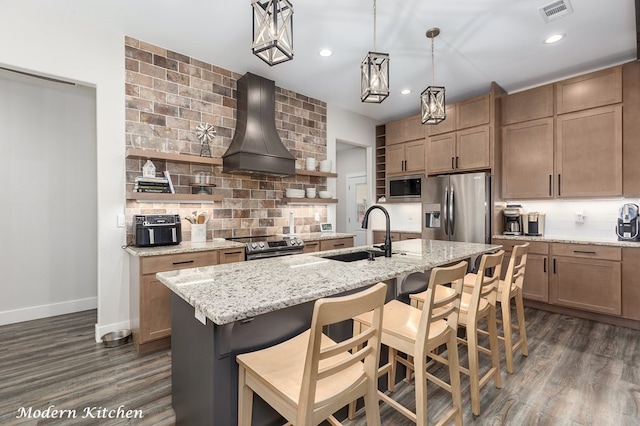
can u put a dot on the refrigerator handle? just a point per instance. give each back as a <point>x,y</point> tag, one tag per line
<point>452,213</point>
<point>445,207</point>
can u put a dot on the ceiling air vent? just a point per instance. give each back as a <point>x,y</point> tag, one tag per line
<point>555,10</point>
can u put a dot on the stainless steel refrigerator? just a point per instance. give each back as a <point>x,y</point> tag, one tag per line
<point>457,208</point>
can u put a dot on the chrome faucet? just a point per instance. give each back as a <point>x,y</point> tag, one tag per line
<point>387,235</point>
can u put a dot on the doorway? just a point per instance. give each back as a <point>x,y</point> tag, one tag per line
<point>357,205</point>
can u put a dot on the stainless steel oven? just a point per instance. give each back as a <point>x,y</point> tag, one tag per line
<point>263,247</point>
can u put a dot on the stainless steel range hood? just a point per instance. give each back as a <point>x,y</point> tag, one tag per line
<point>256,146</point>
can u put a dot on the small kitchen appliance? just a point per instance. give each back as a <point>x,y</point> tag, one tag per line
<point>156,230</point>
<point>628,223</point>
<point>512,215</point>
<point>534,223</point>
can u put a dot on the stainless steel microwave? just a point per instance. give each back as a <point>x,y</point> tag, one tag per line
<point>405,188</point>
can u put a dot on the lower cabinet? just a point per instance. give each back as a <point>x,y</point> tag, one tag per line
<point>311,246</point>
<point>631,283</point>
<point>378,236</point>
<point>150,300</point>
<point>338,243</point>
<point>536,276</point>
<point>586,277</point>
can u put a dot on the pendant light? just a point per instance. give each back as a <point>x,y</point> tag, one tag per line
<point>374,72</point>
<point>432,98</point>
<point>273,30</point>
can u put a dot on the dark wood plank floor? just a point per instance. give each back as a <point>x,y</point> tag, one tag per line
<point>578,372</point>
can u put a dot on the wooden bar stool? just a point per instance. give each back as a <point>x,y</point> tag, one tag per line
<point>478,304</point>
<point>511,289</point>
<point>416,332</point>
<point>310,377</point>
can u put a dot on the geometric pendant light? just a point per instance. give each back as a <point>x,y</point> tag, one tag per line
<point>432,98</point>
<point>273,30</point>
<point>374,72</point>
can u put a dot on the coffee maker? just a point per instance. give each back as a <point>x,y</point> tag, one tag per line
<point>628,224</point>
<point>512,219</point>
<point>533,223</point>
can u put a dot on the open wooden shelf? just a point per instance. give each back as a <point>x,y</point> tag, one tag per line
<point>310,200</point>
<point>302,172</point>
<point>169,156</point>
<point>172,198</point>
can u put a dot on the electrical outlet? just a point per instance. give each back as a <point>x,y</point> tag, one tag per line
<point>317,216</point>
<point>580,217</point>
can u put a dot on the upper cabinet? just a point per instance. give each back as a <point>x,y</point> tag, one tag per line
<point>589,91</point>
<point>404,151</point>
<point>405,130</point>
<point>572,153</point>
<point>528,105</point>
<point>465,142</point>
<point>631,129</point>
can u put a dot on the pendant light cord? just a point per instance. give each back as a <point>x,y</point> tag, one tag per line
<point>433,65</point>
<point>374,26</point>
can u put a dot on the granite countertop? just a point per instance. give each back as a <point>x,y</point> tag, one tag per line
<point>317,236</point>
<point>612,242</point>
<point>236,291</point>
<point>183,247</point>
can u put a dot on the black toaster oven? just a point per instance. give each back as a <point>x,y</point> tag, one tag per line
<point>156,230</point>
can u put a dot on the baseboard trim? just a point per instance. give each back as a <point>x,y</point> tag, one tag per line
<point>45,311</point>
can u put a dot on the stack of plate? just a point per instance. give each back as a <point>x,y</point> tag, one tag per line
<point>294,193</point>
<point>324,166</point>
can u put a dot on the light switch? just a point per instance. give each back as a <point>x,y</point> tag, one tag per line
<point>120,221</point>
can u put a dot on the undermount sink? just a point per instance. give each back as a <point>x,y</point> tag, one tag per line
<point>354,256</point>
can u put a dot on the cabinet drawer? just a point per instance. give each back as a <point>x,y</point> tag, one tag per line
<point>587,251</point>
<point>231,255</point>
<point>336,244</point>
<point>378,237</point>
<point>153,264</point>
<point>311,246</point>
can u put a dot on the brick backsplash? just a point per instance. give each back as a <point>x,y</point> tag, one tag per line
<point>168,95</point>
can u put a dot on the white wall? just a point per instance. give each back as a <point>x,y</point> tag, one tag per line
<point>355,129</point>
<point>42,42</point>
<point>349,162</point>
<point>47,138</point>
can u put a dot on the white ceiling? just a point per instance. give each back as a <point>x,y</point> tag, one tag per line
<point>480,41</point>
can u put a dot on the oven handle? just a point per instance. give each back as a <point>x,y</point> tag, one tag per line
<point>267,255</point>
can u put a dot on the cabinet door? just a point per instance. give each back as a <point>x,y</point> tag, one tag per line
<point>589,90</point>
<point>536,278</point>
<point>414,156</point>
<point>338,243</point>
<point>472,149</point>
<point>441,152</point>
<point>155,301</point>
<point>527,160</point>
<point>631,129</point>
<point>527,105</point>
<point>630,283</point>
<point>589,153</point>
<point>410,236</point>
<point>395,159</point>
<point>587,284</point>
<point>393,132</point>
<point>231,255</point>
<point>446,126</point>
<point>412,128</point>
<point>473,112</point>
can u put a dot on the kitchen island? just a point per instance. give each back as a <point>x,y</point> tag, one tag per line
<point>223,310</point>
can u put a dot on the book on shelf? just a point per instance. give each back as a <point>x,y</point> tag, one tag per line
<point>168,176</point>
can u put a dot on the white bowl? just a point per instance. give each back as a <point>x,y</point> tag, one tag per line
<point>325,194</point>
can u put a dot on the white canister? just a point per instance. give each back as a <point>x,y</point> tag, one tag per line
<point>198,233</point>
<point>324,166</point>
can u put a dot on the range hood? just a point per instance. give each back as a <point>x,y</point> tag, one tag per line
<point>256,146</point>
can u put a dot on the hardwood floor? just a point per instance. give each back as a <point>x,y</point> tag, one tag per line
<point>578,372</point>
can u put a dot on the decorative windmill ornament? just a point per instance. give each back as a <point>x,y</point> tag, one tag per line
<point>205,133</point>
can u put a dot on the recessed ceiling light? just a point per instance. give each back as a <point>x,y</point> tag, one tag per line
<point>325,53</point>
<point>405,91</point>
<point>554,38</point>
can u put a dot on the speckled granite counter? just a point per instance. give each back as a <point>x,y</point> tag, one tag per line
<point>232,292</point>
<point>317,236</point>
<point>183,247</point>
<point>594,241</point>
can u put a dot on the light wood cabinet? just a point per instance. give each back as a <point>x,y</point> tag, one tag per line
<point>528,105</point>
<point>311,246</point>
<point>459,151</point>
<point>473,112</point>
<point>527,160</point>
<point>630,283</point>
<point>404,130</point>
<point>446,126</point>
<point>586,277</point>
<point>589,91</point>
<point>536,275</point>
<point>378,236</point>
<point>407,157</point>
<point>589,153</point>
<point>338,243</point>
<point>150,300</point>
<point>631,129</point>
